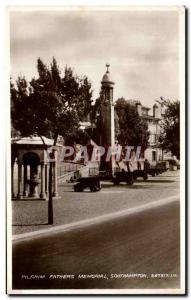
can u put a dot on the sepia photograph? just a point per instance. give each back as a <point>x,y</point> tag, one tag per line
<point>96,165</point>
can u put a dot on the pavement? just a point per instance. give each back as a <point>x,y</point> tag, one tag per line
<point>30,215</point>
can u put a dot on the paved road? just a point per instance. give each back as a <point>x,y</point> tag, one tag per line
<point>72,207</point>
<point>143,243</point>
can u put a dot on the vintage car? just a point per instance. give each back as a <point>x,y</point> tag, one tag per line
<point>92,183</point>
<point>158,168</point>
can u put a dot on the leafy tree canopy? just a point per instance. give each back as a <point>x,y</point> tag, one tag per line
<point>133,129</point>
<point>130,128</point>
<point>51,104</point>
<point>170,126</point>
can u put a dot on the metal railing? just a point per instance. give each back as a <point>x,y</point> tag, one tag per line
<point>68,167</point>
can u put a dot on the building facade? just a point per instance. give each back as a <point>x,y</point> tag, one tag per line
<point>153,117</point>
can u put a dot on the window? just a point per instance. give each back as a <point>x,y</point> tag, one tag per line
<point>144,112</point>
<point>153,138</point>
<point>154,157</point>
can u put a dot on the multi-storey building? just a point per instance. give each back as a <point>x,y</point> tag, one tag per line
<point>153,117</point>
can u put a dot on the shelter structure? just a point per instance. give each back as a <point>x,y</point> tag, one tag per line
<point>30,167</point>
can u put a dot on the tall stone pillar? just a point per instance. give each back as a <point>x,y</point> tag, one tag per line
<point>42,193</point>
<point>25,181</point>
<point>12,180</point>
<point>107,122</point>
<point>55,183</point>
<point>19,194</point>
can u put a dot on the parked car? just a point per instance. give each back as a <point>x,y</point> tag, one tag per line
<point>162,166</point>
<point>158,168</point>
<point>174,164</point>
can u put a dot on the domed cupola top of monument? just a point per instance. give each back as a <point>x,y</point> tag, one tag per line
<point>107,80</point>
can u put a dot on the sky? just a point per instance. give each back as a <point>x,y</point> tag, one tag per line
<point>141,46</point>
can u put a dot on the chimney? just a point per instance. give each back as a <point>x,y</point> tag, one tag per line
<point>139,106</point>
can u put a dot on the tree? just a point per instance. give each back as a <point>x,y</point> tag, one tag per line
<point>78,137</point>
<point>169,138</point>
<point>133,129</point>
<point>50,105</point>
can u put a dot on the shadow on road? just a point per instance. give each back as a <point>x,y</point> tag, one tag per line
<point>32,224</point>
<point>26,199</point>
<point>160,180</point>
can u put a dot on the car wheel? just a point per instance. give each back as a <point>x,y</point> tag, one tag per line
<point>130,181</point>
<point>116,181</point>
<point>78,188</point>
<point>145,177</point>
<point>93,188</point>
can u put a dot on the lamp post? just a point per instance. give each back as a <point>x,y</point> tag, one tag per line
<point>50,204</point>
